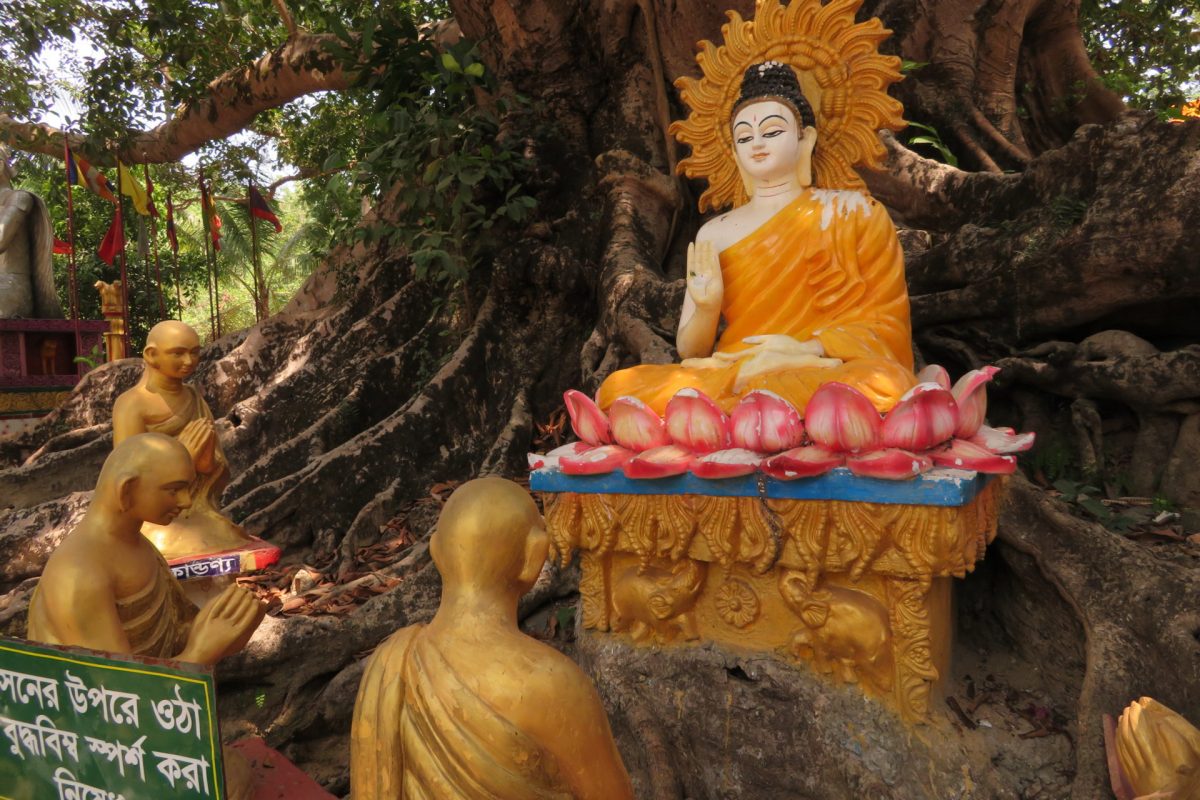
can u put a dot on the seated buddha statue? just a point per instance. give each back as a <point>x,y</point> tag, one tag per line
<point>809,281</point>
<point>468,707</point>
<point>107,588</point>
<point>162,403</point>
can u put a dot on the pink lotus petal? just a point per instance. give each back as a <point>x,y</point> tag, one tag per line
<point>726,463</point>
<point>596,461</point>
<point>971,397</point>
<point>696,422</point>
<point>841,418</point>
<point>962,454</point>
<point>926,419</point>
<point>587,420</point>
<point>636,426</point>
<point>927,386</point>
<point>1002,440</point>
<point>803,462</point>
<point>550,460</point>
<point>935,373</point>
<point>765,423</point>
<point>893,464</point>
<point>661,462</point>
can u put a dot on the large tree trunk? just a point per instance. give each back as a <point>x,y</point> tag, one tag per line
<point>340,413</point>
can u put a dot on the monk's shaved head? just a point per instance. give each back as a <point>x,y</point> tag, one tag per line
<point>487,534</point>
<point>143,456</point>
<point>172,332</point>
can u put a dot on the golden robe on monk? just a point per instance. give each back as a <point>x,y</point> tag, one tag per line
<point>157,618</point>
<point>828,266</point>
<point>422,733</point>
<point>202,528</point>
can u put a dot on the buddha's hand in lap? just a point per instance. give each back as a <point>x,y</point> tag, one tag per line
<point>775,353</point>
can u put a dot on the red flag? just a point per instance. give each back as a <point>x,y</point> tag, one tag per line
<point>61,248</point>
<point>208,213</point>
<point>260,209</point>
<point>114,240</point>
<point>172,236</point>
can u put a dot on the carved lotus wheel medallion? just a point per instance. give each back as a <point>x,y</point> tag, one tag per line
<point>737,604</point>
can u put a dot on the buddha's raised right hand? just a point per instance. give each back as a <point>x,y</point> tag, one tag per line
<point>705,285</point>
<point>223,626</point>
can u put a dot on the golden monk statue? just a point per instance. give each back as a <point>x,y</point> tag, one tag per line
<point>1159,751</point>
<point>105,587</point>
<point>468,707</point>
<point>162,403</point>
<point>810,281</point>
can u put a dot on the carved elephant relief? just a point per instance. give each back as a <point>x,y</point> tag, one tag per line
<point>658,602</point>
<point>844,631</point>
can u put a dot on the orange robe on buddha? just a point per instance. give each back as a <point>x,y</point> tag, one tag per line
<point>828,266</point>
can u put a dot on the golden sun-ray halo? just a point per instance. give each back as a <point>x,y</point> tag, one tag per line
<point>840,69</point>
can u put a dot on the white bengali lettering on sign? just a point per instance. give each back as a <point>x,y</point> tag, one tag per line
<point>178,714</point>
<point>122,755</point>
<point>40,738</point>
<point>71,789</point>
<point>24,689</point>
<point>120,708</point>
<point>193,771</point>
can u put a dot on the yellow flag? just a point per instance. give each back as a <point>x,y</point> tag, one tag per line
<point>135,192</point>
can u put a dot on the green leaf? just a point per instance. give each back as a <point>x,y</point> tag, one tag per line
<point>450,63</point>
<point>475,70</point>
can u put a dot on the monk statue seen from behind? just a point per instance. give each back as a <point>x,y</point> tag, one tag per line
<point>162,403</point>
<point>468,707</point>
<point>107,588</point>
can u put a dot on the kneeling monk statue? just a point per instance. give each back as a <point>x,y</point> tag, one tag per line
<point>468,707</point>
<point>107,588</point>
<point>162,403</point>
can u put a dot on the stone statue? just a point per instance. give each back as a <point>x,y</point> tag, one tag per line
<point>808,278</point>
<point>468,707</point>
<point>106,588</point>
<point>26,253</point>
<point>1159,751</point>
<point>162,403</point>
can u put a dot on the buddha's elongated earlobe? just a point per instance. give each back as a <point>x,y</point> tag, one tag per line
<point>808,145</point>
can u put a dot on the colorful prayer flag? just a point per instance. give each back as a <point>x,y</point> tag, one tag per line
<point>172,236</point>
<point>209,214</point>
<point>260,209</point>
<point>114,241</point>
<point>81,173</point>
<point>131,189</point>
<point>150,194</point>
<point>61,248</point>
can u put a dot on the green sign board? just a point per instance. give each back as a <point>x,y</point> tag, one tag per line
<point>76,725</point>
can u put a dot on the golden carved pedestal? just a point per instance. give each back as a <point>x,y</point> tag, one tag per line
<point>860,590</point>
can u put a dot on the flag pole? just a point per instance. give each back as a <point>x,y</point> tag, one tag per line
<point>175,259</point>
<point>162,303</point>
<point>259,288</point>
<point>72,274</point>
<point>124,271</point>
<point>205,223</point>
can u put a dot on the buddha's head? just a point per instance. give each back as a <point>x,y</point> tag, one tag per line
<point>774,128</point>
<point>147,476</point>
<point>490,537</point>
<point>172,348</point>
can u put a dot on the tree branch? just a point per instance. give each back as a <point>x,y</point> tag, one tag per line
<point>299,66</point>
